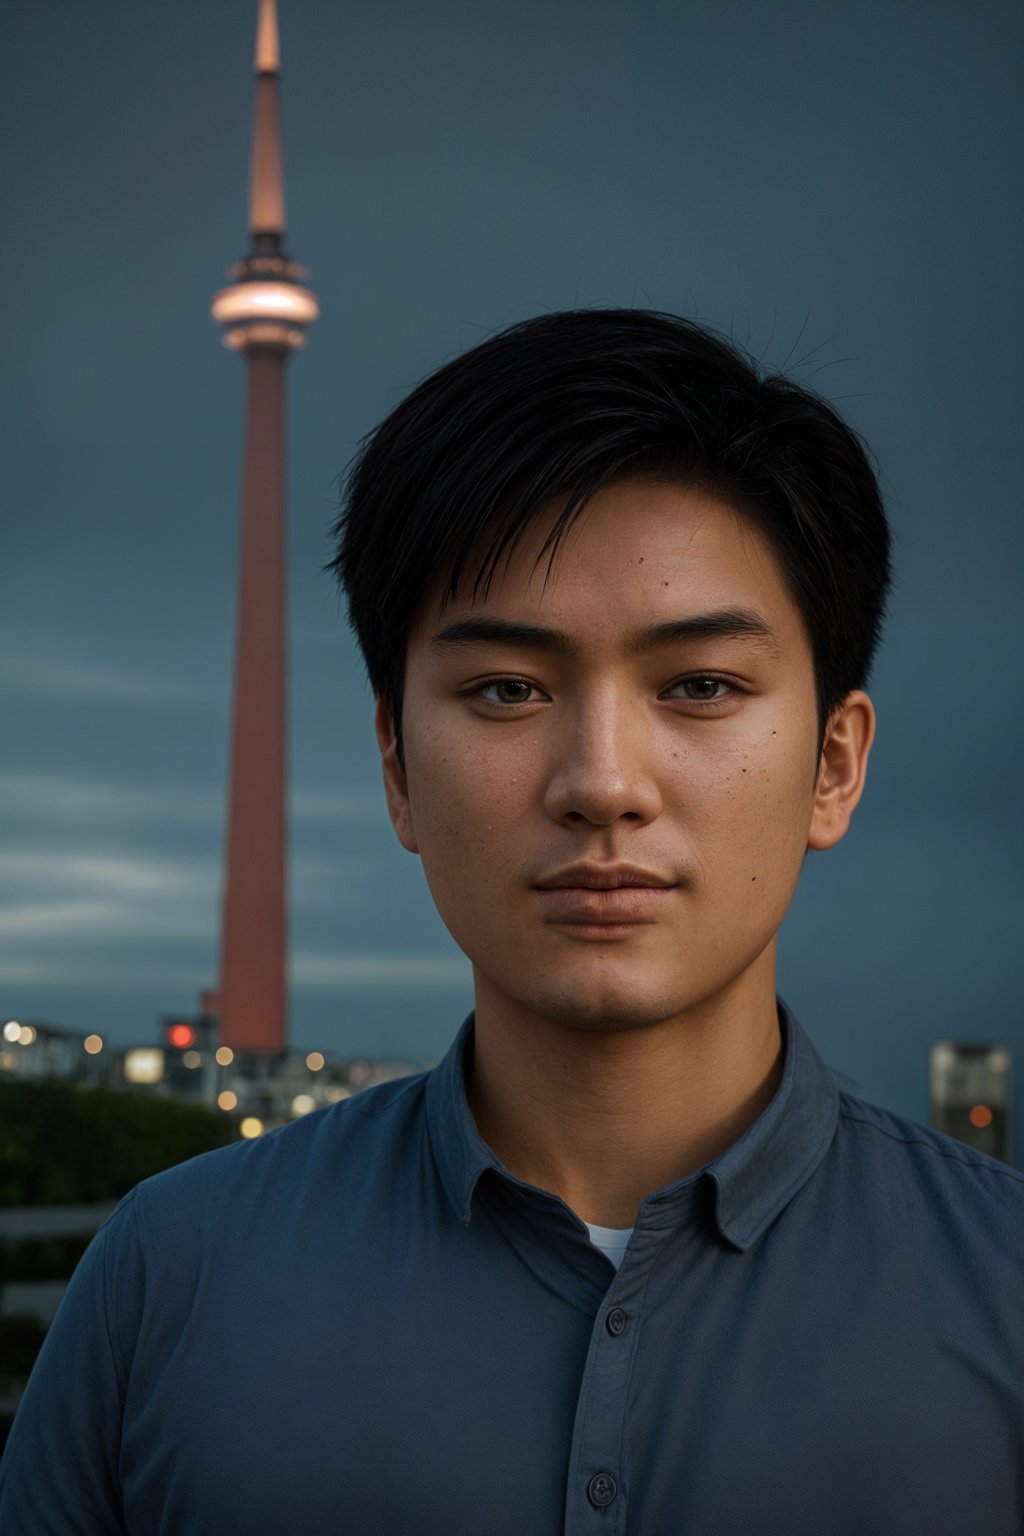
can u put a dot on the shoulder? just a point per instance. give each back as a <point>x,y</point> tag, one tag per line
<point>928,1176</point>
<point>887,1134</point>
<point>215,1223</point>
<point>332,1151</point>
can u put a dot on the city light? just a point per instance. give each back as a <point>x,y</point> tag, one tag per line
<point>93,1044</point>
<point>225,1055</point>
<point>251,1127</point>
<point>144,1064</point>
<point>315,1061</point>
<point>12,1030</point>
<point>303,1103</point>
<point>181,1035</point>
<point>27,1035</point>
<point>227,1100</point>
<point>192,1059</point>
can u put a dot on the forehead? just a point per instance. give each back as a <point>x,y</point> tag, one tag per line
<point>640,552</point>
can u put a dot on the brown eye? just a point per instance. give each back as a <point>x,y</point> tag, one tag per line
<point>507,686</point>
<point>703,688</point>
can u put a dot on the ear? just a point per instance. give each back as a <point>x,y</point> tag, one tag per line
<point>842,770</point>
<point>396,787</point>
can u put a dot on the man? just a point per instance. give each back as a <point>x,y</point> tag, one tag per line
<point>626,1260</point>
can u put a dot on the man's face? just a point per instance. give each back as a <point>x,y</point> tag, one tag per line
<point>694,759</point>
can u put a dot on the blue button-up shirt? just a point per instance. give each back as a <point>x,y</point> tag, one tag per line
<point>362,1324</point>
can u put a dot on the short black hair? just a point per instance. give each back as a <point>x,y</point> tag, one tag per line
<point>568,402</point>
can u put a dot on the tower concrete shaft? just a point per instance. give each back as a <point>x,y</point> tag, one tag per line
<point>253,992</point>
<point>264,313</point>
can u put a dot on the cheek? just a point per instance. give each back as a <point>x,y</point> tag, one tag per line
<point>463,816</point>
<point>460,781</point>
<point>753,818</point>
<point>469,837</point>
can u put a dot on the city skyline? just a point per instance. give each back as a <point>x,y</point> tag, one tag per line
<point>815,190</point>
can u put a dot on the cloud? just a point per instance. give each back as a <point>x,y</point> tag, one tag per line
<point>129,875</point>
<point>107,898</point>
<point>34,792</point>
<point>67,796</point>
<point>94,975</point>
<point>381,972</point>
<point>328,883</point>
<point>309,972</point>
<point>338,805</point>
<point>96,902</point>
<point>17,973</point>
<point>42,919</point>
<point>67,678</point>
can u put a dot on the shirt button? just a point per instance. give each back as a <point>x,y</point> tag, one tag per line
<point>601,1490</point>
<point>616,1321</point>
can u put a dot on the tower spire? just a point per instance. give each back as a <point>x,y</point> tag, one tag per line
<point>266,185</point>
<point>268,52</point>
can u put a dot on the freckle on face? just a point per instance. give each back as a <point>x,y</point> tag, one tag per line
<point>602,767</point>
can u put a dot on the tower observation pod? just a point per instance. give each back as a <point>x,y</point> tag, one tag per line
<point>266,304</point>
<point>265,313</point>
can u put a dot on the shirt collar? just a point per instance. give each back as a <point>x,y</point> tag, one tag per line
<point>753,1179</point>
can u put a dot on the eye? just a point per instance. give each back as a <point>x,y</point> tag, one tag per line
<point>509,685</point>
<point>703,684</point>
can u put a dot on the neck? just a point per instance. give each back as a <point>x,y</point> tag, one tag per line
<point>604,1117</point>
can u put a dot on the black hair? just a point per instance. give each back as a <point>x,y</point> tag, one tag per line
<point>568,402</point>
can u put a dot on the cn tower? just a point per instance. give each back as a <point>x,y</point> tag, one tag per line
<point>264,313</point>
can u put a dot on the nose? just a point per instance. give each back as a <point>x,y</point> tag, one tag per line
<point>603,768</point>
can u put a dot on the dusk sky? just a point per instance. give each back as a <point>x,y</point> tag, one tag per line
<point>835,185</point>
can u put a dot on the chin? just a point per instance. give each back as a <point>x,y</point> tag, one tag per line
<point>605,1004</point>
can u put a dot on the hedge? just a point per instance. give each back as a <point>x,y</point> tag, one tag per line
<point>68,1144</point>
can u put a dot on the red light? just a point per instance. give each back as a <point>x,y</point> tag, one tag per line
<point>181,1035</point>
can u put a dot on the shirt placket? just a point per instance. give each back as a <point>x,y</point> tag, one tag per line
<point>597,1490</point>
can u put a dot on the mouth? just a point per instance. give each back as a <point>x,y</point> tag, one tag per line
<point>622,906</point>
<point>592,876</point>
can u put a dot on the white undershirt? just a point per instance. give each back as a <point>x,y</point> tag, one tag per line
<point>610,1240</point>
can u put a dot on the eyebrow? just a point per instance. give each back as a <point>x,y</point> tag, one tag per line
<point>721,623</point>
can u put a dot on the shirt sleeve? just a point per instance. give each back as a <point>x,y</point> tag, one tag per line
<point>59,1473</point>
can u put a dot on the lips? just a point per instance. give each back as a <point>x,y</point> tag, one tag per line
<point>603,877</point>
<point>623,904</point>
